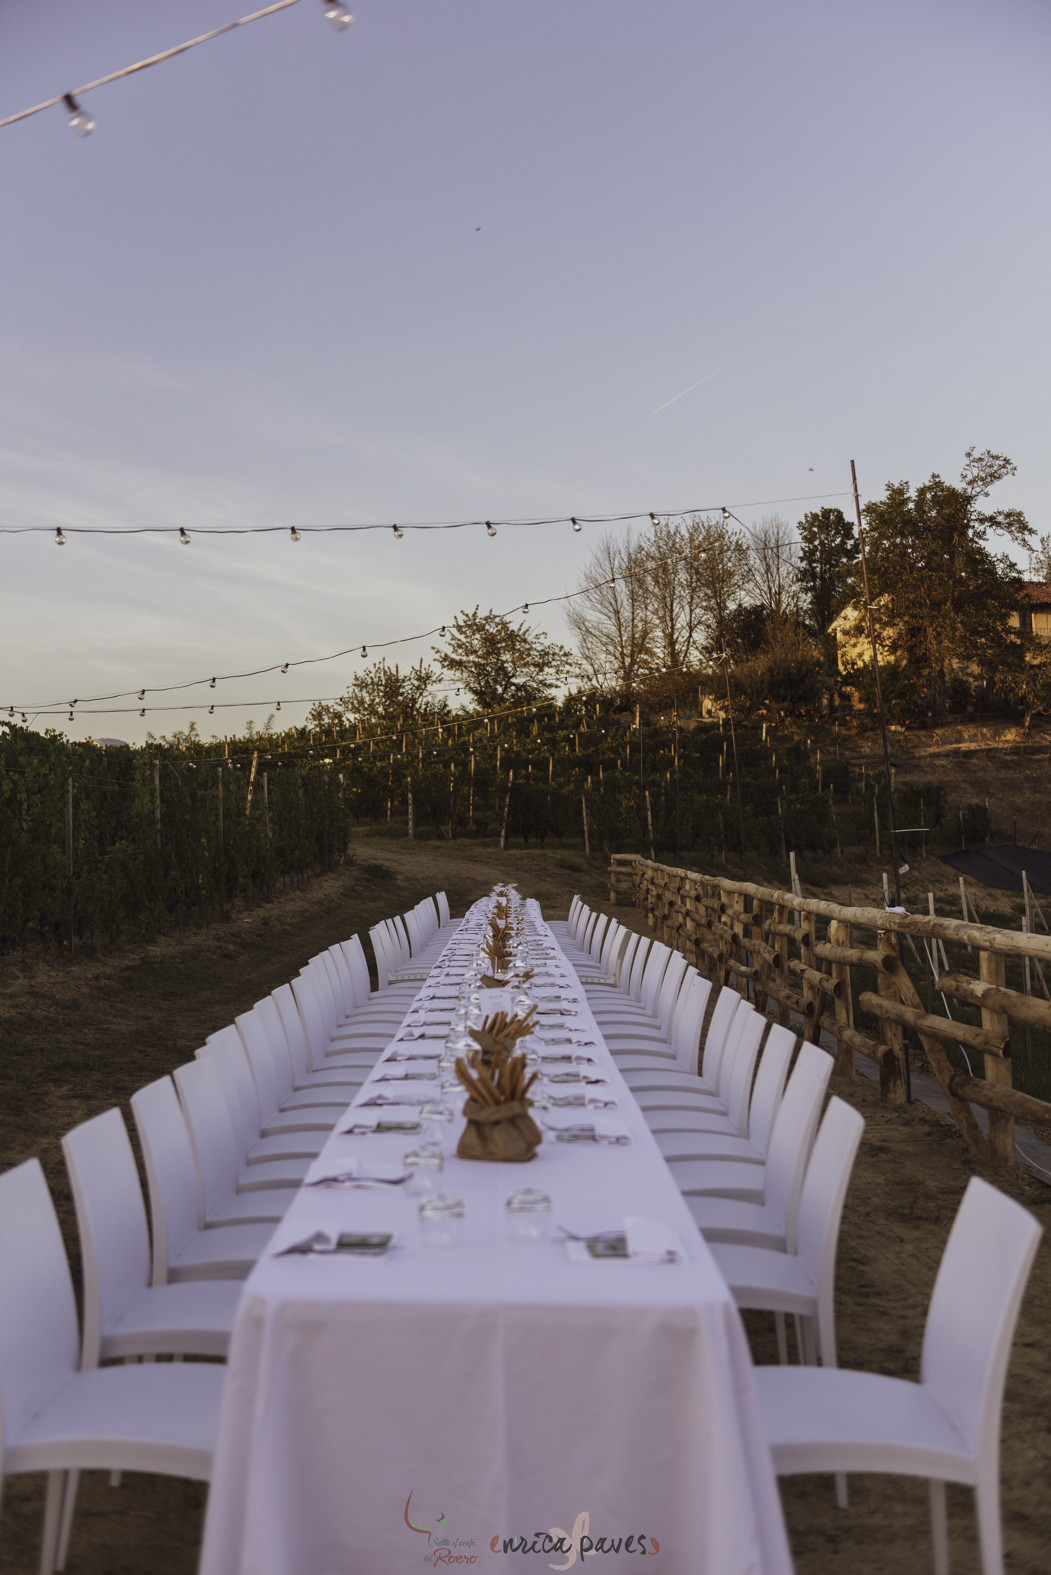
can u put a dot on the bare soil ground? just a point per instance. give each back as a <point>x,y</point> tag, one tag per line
<point>78,1038</point>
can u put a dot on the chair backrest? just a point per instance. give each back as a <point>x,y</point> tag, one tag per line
<point>791,1139</point>
<point>726,1004</point>
<point>617,938</point>
<point>578,920</point>
<point>769,1086</point>
<point>201,1096</point>
<point>273,1081</point>
<point>625,958</point>
<point>588,931</point>
<point>292,1024</point>
<point>354,952</point>
<point>674,975</point>
<point>111,1221</point>
<point>443,907</point>
<point>683,996</point>
<point>574,909</point>
<point>336,963</point>
<point>742,1017</point>
<point>740,1087</point>
<point>638,968</point>
<point>401,936</point>
<point>598,936</point>
<point>973,1311</point>
<point>329,991</point>
<point>38,1315</point>
<point>171,1172</point>
<point>412,930</point>
<point>821,1201</point>
<point>235,1075</point>
<point>656,963</point>
<point>315,1030</point>
<point>686,1025</point>
<point>380,942</point>
<point>812,1058</point>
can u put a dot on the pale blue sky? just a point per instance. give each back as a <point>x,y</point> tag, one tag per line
<point>449,263</point>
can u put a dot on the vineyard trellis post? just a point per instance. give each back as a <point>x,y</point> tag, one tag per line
<point>157,801</point>
<point>221,882</point>
<point>69,860</point>
<point>992,969</point>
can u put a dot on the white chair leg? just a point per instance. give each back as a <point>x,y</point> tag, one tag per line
<point>782,1338</point>
<point>990,1534</point>
<point>69,1504</point>
<point>56,1483</point>
<point>939,1526</point>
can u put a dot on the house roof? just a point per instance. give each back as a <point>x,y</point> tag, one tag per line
<point>1038,592</point>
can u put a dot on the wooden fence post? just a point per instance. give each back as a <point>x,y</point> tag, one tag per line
<point>784,1016</point>
<point>992,970</point>
<point>507,809</point>
<point>584,811</point>
<point>839,935</point>
<point>412,814</point>
<point>892,1059</point>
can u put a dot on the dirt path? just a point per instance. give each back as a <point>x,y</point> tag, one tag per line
<point>76,1040</point>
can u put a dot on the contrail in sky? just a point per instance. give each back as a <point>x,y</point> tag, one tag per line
<point>708,375</point>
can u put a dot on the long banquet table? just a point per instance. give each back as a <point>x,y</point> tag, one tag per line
<point>517,1395</point>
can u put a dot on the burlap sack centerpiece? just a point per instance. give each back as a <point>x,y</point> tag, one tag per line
<point>499,1126</point>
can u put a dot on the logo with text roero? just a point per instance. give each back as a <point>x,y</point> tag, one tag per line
<point>444,1548</point>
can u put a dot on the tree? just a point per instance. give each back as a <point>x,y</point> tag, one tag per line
<point>827,565</point>
<point>722,567</point>
<point>773,568</point>
<point>611,619</point>
<point>673,561</point>
<point>382,696</point>
<point>501,664</point>
<point>942,598</point>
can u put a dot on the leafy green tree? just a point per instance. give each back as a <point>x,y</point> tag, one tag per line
<point>383,696</point>
<point>499,663</point>
<point>828,557</point>
<point>942,597</point>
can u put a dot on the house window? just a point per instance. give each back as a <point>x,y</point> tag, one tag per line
<point>1025,620</point>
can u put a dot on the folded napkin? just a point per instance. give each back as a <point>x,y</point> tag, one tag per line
<point>597,1129</point>
<point>327,1243</point>
<point>354,1172</point>
<point>577,1100</point>
<point>365,1121</point>
<point>426,1031</point>
<point>651,1241</point>
<point>400,1074</point>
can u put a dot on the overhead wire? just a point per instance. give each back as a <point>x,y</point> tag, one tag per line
<point>52,707</point>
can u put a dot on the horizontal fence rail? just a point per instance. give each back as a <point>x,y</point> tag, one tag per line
<point>767,944</point>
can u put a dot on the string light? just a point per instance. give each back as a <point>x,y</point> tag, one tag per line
<point>212,684</point>
<point>183,537</point>
<point>81,121</point>
<point>211,710</point>
<point>525,607</point>
<point>142,713</point>
<point>285,668</point>
<point>337,16</point>
<point>653,521</point>
<point>279,705</point>
<point>397,532</point>
<point>576,520</point>
<point>142,694</point>
<point>71,716</point>
<point>83,124</point>
<point>364,652</point>
<point>60,540</point>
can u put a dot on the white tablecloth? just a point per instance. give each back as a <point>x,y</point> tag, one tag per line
<point>508,1390</point>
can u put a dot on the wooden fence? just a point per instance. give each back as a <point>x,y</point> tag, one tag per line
<point>767,944</point>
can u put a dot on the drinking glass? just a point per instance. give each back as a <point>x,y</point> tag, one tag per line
<point>424,1163</point>
<point>528,1215</point>
<point>438,1119</point>
<point>441,1220</point>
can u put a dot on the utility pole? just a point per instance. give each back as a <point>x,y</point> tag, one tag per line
<point>879,691</point>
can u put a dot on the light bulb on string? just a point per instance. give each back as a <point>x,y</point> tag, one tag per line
<point>71,716</point>
<point>576,523</point>
<point>525,607</point>
<point>211,710</point>
<point>60,540</point>
<point>294,533</point>
<point>212,684</point>
<point>81,121</point>
<point>654,521</point>
<point>278,707</point>
<point>285,668</point>
<point>337,16</point>
<point>399,533</point>
<point>364,652</point>
<point>142,713</point>
<point>142,694</point>
<point>183,538</point>
<point>490,528</point>
<point>726,515</point>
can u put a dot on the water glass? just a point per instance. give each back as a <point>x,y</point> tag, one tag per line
<point>441,1220</point>
<point>438,1119</point>
<point>528,1215</point>
<point>424,1163</point>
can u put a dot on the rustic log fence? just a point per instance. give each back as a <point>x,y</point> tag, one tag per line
<point>766,943</point>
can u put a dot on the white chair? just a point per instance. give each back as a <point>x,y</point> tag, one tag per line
<point>380,1000</point>
<point>620,1011</point>
<point>744,1132</point>
<point>634,1034</point>
<point>947,1427</point>
<point>353,1048</point>
<point>443,908</point>
<point>156,1418</point>
<point>124,1316</point>
<point>694,1145</point>
<point>803,1283</point>
<point>679,1051</point>
<point>764,1216</point>
<point>274,1012</point>
<point>226,1052</point>
<point>272,1073</point>
<point>671,1085</point>
<point>182,1248</point>
<point>215,1152</point>
<point>602,971</point>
